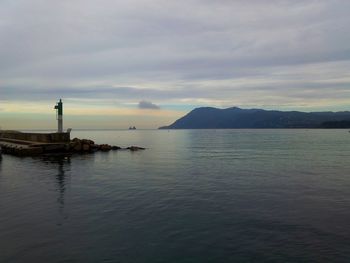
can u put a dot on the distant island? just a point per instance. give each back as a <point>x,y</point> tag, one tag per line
<point>237,118</point>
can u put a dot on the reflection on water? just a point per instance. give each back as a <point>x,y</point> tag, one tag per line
<point>0,161</point>
<point>62,164</point>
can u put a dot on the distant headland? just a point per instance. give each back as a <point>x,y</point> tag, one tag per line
<point>237,118</point>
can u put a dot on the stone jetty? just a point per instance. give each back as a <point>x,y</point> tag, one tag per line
<point>29,144</point>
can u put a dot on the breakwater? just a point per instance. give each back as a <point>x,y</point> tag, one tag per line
<point>29,144</point>
<point>36,137</point>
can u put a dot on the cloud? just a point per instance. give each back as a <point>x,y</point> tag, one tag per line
<point>218,53</point>
<point>148,105</point>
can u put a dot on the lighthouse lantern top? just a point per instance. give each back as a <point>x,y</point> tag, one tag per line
<point>59,107</point>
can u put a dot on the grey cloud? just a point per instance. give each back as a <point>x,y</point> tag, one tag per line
<point>265,85</point>
<point>148,105</point>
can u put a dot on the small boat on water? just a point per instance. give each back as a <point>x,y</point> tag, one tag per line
<point>132,128</point>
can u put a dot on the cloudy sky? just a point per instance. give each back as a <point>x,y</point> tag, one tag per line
<point>147,62</point>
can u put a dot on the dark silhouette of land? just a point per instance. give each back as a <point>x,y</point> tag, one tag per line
<point>231,118</point>
<point>336,125</point>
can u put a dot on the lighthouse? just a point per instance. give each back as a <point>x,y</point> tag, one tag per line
<point>59,115</point>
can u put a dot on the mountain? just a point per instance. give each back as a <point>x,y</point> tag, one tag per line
<point>230,118</point>
<point>336,125</point>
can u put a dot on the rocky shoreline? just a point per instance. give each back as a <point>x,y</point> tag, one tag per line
<point>86,145</point>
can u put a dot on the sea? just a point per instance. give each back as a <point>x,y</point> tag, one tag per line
<point>191,196</point>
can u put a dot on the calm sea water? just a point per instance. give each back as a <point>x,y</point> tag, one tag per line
<point>192,196</point>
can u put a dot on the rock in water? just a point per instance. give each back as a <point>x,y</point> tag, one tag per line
<point>86,147</point>
<point>95,147</point>
<point>116,148</point>
<point>86,141</point>
<point>77,146</point>
<point>105,147</point>
<point>135,148</point>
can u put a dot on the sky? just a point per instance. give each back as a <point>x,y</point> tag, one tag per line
<point>145,63</point>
